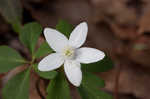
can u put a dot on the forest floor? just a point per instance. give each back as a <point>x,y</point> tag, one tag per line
<point>121,28</point>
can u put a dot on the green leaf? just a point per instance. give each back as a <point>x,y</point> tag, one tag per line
<point>11,10</point>
<point>140,46</point>
<point>90,86</point>
<point>87,93</point>
<point>17,27</point>
<point>30,34</point>
<point>58,88</point>
<point>43,50</point>
<point>9,59</point>
<point>45,75</point>
<point>102,66</point>
<point>84,93</point>
<point>64,27</point>
<point>17,87</point>
<point>92,81</point>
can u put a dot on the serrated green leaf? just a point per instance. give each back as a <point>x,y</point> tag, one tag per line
<point>102,66</point>
<point>45,75</point>
<point>9,59</point>
<point>30,34</point>
<point>43,50</point>
<point>58,88</point>
<point>64,27</point>
<point>11,10</point>
<point>17,87</point>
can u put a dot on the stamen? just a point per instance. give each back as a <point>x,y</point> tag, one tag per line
<point>68,52</point>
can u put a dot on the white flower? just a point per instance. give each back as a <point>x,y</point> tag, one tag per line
<point>69,53</point>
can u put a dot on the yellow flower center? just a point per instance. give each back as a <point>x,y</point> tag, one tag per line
<point>68,52</point>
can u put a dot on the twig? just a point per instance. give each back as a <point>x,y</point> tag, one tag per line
<point>38,89</point>
<point>116,86</point>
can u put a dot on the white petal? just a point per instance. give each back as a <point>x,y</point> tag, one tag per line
<point>55,39</point>
<point>73,72</point>
<point>51,62</point>
<point>78,35</point>
<point>89,55</point>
